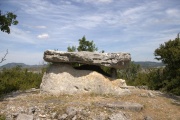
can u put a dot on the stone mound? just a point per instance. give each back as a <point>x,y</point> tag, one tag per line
<point>62,78</point>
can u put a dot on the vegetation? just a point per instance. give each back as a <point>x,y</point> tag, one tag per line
<point>169,54</point>
<point>2,117</point>
<point>130,73</point>
<point>18,79</point>
<point>149,64</point>
<point>165,78</point>
<point>6,20</point>
<point>71,49</point>
<point>84,45</point>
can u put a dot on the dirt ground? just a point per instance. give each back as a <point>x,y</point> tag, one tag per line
<point>156,105</point>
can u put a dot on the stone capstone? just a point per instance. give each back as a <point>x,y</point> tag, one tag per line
<point>62,78</point>
<point>113,60</point>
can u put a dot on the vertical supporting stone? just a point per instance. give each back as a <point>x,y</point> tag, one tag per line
<point>113,73</point>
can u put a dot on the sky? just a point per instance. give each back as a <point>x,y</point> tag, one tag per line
<point>137,27</point>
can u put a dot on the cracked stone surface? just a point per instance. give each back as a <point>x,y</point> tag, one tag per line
<point>113,60</point>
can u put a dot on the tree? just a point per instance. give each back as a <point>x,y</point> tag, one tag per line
<point>84,45</point>
<point>169,54</point>
<point>6,20</point>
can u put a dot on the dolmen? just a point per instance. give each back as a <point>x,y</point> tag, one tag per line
<point>82,73</point>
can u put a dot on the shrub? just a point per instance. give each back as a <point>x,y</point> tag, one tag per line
<point>18,79</point>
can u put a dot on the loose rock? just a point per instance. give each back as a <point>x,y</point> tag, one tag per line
<point>24,117</point>
<point>62,117</point>
<point>118,116</point>
<point>122,105</point>
<point>148,118</point>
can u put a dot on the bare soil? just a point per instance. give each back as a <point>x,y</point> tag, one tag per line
<point>157,105</point>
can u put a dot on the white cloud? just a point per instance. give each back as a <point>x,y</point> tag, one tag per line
<point>43,36</point>
<point>41,27</point>
<point>134,10</point>
<point>89,21</point>
<point>173,12</point>
<point>101,1</point>
<point>95,1</point>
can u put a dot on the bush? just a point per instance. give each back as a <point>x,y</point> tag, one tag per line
<point>130,73</point>
<point>169,54</point>
<point>18,79</point>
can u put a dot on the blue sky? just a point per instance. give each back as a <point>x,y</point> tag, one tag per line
<point>134,26</point>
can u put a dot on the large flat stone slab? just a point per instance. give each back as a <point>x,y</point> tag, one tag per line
<point>113,60</point>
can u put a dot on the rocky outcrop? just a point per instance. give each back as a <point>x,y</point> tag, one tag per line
<point>62,78</point>
<point>113,60</point>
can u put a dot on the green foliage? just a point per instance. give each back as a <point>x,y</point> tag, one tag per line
<point>84,45</point>
<point>165,79</point>
<point>6,20</point>
<point>169,54</point>
<point>71,49</point>
<point>102,51</point>
<point>140,79</point>
<point>18,79</point>
<point>130,73</point>
<point>155,78</point>
<point>2,117</point>
<point>106,69</point>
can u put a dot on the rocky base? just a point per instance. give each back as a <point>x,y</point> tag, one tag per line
<point>64,79</point>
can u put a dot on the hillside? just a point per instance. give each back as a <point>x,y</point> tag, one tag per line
<point>143,64</point>
<point>11,65</point>
<point>149,64</point>
<point>29,67</point>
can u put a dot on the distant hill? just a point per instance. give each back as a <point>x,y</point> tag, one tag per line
<point>143,64</point>
<point>11,65</point>
<point>149,64</point>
